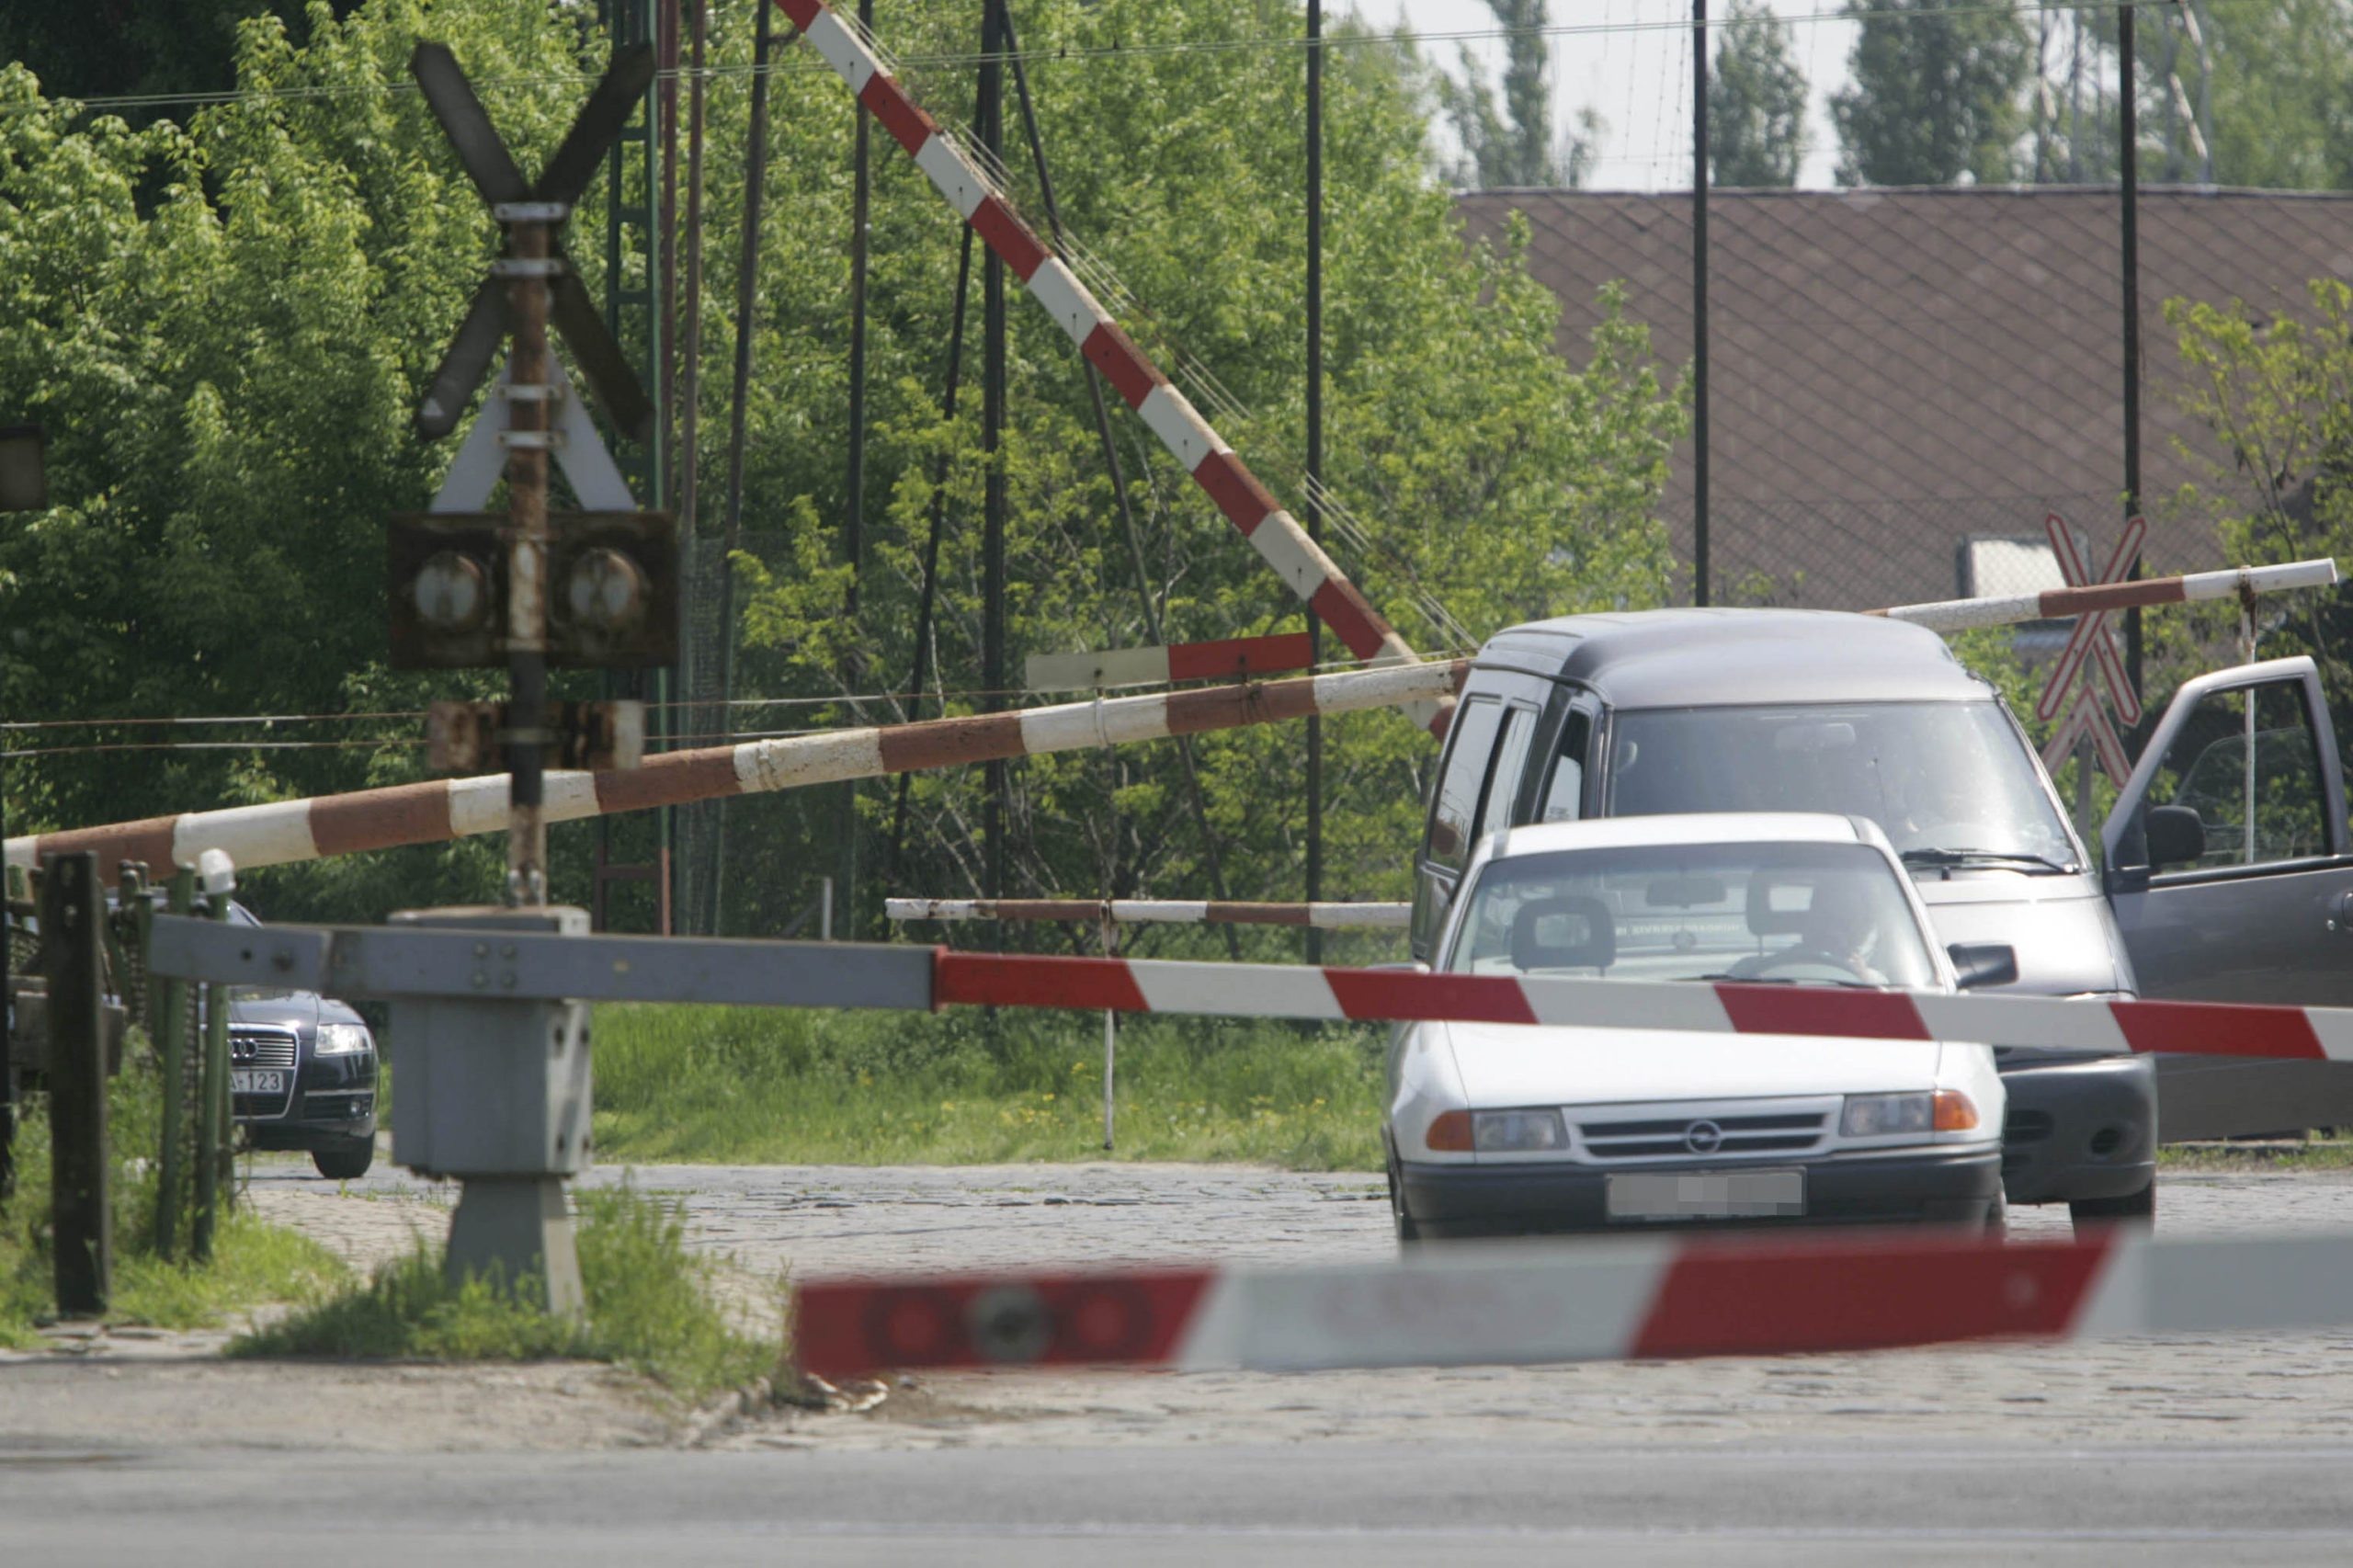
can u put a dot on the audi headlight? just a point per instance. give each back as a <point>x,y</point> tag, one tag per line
<point>341,1040</point>
<point>1503,1132</point>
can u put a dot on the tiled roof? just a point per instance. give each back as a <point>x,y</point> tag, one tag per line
<point>1894,370</point>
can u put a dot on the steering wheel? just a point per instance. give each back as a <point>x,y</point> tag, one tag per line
<point>1758,965</point>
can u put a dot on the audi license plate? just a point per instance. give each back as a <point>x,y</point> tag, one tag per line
<point>1734,1195</point>
<point>258,1081</point>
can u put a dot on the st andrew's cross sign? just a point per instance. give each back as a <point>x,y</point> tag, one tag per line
<point>2091,660</point>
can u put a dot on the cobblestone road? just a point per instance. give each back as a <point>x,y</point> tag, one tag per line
<point>822,1220</point>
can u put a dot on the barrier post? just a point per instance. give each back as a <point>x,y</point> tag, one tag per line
<point>171,1036</point>
<point>1110,1026</point>
<point>73,915</point>
<point>212,1125</point>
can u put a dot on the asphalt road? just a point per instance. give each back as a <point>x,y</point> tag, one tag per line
<point>2214,1449</point>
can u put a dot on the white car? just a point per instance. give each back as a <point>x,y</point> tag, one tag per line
<point>1496,1129</point>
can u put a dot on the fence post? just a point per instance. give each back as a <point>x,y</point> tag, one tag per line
<point>1110,1022</point>
<point>72,915</point>
<point>213,1104</point>
<point>171,1036</point>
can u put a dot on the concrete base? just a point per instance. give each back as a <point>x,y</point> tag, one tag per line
<point>515,1226</point>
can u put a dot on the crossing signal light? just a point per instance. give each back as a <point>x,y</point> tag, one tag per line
<point>611,587</point>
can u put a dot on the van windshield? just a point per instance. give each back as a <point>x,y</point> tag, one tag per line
<point>1950,783</point>
<point>1800,914</point>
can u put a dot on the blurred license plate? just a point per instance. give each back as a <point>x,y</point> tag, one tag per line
<point>1733,1195</point>
<point>256,1081</point>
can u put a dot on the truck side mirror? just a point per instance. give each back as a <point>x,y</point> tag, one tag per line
<point>2176,835</point>
<point>1983,963</point>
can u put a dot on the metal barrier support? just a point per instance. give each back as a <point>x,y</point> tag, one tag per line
<point>73,914</point>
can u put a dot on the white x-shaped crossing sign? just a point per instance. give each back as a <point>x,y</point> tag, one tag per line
<point>2092,659</point>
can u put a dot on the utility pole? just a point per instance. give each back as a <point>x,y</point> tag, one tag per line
<point>1700,562</point>
<point>853,500</point>
<point>73,910</point>
<point>1314,447</point>
<point>992,675</point>
<point>527,559</point>
<point>2129,171</point>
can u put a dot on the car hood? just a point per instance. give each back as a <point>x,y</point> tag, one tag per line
<point>295,1010</point>
<point>2064,940</point>
<point>1509,1064</point>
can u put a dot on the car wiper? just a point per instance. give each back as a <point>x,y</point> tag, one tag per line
<point>1979,858</point>
<point>1786,980</point>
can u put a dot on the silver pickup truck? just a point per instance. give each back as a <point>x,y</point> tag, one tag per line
<point>2226,875</point>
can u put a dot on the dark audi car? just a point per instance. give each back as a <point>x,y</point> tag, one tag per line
<point>303,1074</point>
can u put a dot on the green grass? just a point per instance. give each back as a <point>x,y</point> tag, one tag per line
<point>253,1262</point>
<point>2280,1154</point>
<point>651,1306</point>
<point>776,1086</point>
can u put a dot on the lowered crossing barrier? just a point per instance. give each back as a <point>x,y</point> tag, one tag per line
<point>2010,610</point>
<point>1634,1297</point>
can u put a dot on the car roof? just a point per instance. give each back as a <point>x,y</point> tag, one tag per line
<point>1687,828</point>
<point>1681,658</point>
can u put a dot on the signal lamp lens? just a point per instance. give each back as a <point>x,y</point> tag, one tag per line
<point>452,593</point>
<point>1955,1111</point>
<point>1449,1132</point>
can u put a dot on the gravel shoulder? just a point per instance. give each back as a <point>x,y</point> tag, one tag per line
<point>145,1388</point>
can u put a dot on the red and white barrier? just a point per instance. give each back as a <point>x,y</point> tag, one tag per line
<point>1638,1297</point>
<point>1227,658</point>
<point>284,831</point>
<point>1202,453</point>
<point>2009,609</point>
<point>1161,912</point>
<point>1297,991</point>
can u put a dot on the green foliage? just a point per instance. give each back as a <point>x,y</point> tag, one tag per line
<point>744,1085</point>
<point>253,1262</point>
<point>1937,93</point>
<point>224,326</point>
<point>154,47</point>
<point>652,1307</point>
<point>1510,143</point>
<point>1756,99</point>
<point>2281,96</point>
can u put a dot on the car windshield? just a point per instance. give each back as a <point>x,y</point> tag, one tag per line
<point>1813,913</point>
<point>1950,783</point>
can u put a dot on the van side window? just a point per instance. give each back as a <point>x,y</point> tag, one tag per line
<point>1566,789</point>
<point>1502,780</point>
<point>1459,788</point>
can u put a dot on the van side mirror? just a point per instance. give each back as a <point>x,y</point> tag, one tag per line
<point>2176,835</point>
<point>1983,963</point>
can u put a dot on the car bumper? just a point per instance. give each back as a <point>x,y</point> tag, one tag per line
<point>2078,1129</point>
<point>1502,1200</point>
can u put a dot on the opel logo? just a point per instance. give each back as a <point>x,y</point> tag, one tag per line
<point>1703,1137</point>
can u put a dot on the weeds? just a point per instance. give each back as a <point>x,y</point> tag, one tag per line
<point>652,1306</point>
<point>776,1086</point>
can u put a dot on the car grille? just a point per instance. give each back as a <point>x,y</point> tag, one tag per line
<point>252,1046</point>
<point>1743,1130</point>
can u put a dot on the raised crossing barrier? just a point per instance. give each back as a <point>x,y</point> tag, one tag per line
<point>2009,609</point>
<point>1617,1298</point>
<point>1199,450</point>
<point>285,831</point>
<point>1159,912</point>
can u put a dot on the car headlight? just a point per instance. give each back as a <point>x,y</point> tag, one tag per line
<point>1878,1116</point>
<point>1501,1131</point>
<point>341,1040</point>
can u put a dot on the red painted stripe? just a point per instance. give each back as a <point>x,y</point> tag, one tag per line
<point>1351,618</point>
<point>1822,1009</point>
<point>1732,1298</point>
<point>898,113</point>
<point>1236,491</point>
<point>1021,981</point>
<point>1008,236</point>
<point>2061,602</point>
<point>1396,993</point>
<point>802,12</point>
<point>1110,351</point>
<point>2217,1029</point>
<point>850,1329</point>
<point>1240,655</point>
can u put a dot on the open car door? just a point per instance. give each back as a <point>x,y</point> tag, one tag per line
<point>2229,870</point>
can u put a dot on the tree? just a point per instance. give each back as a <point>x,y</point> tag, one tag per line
<point>1936,95</point>
<point>1512,145</point>
<point>228,372</point>
<point>1757,99</point>
<point>81,49</point>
